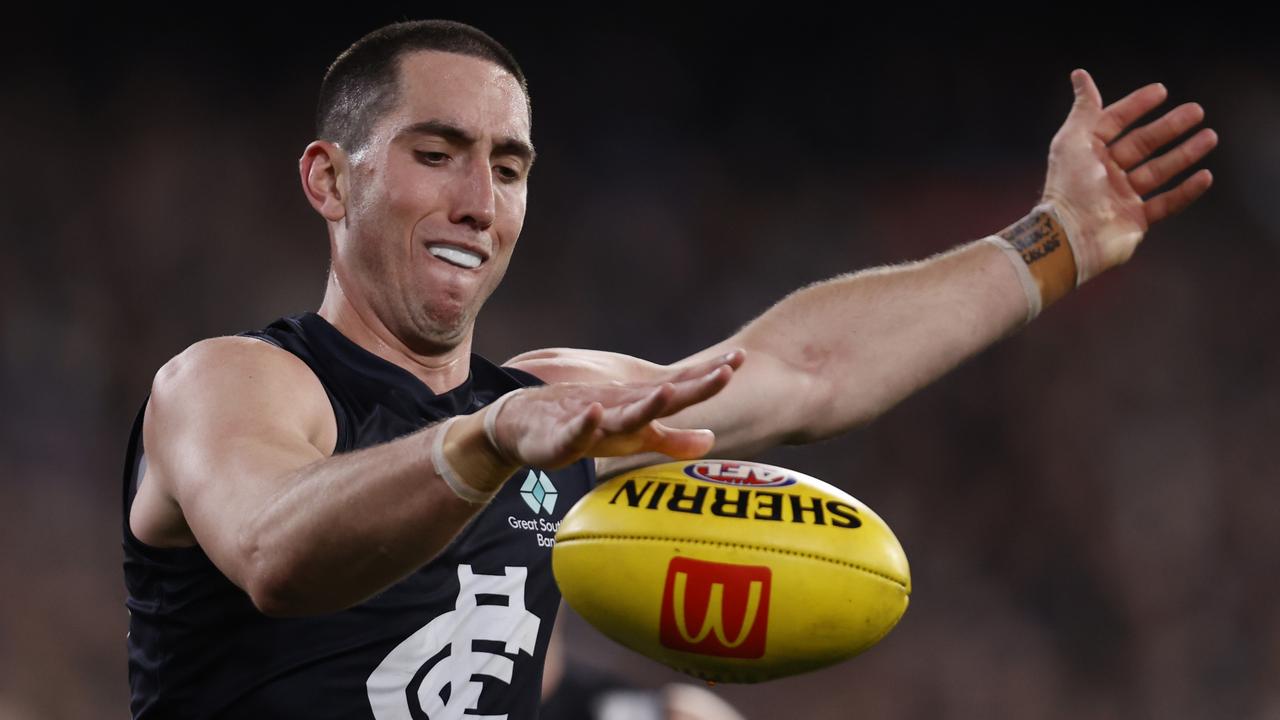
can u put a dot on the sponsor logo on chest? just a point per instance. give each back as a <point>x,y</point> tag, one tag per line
<point>540,494</point>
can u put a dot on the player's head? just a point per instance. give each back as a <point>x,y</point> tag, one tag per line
<point>421,172</point>
<point>364,81</point>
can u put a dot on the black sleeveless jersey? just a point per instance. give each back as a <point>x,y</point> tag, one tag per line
<point>464,636</point>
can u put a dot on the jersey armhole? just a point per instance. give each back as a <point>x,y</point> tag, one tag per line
<point>135,462</point>
<point>342,426</point>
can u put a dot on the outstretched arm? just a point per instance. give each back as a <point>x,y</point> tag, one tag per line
<point>839,353</point>
<point>239,438</point>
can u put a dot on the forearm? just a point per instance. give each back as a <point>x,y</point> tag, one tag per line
<point>863,342</point>
<point>344,528</point>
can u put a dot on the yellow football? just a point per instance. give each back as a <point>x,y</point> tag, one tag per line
<point>731,571</point>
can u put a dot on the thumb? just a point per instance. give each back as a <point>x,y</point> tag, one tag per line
<point>1087,95</point>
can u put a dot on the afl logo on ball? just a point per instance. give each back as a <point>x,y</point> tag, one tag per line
<point>713,608</point>
<point>739,474</point>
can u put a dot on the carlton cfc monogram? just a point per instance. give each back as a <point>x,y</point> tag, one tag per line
<point>713,608</point>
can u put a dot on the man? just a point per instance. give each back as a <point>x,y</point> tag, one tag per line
<point>305,538</point>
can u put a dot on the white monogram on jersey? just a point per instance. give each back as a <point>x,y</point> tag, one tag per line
<point>455,630</point>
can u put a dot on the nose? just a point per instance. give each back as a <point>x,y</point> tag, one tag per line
<point>474,203</point>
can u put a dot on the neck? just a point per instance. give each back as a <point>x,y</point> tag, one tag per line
<point>441,372</point>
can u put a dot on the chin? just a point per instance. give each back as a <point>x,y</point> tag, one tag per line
<point>436,333</point>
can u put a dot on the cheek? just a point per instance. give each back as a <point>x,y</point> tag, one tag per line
<point>407,193</point>
<point>387,210</point>
<point>395,194</point>
<point>370,245</point>
<point>410,188</point>
<point>514,209</point>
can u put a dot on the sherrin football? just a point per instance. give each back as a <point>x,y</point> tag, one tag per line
<point>731,571</point>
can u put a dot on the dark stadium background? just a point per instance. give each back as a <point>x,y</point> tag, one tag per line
<point>1090,508</point>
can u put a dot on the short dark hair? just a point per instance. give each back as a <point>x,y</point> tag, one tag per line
<point>364,82</point>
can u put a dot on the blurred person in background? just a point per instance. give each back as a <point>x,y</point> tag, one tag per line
<point>319,521</point>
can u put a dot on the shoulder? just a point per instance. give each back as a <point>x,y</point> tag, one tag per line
<point>211,364</point>
<point>211,407</point>
<point>556,365</point>
<point>223,382</point>
<point>239,352</point>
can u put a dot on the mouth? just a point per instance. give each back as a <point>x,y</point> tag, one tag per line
<point>457,255</point>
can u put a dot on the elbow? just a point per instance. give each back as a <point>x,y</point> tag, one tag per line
<point>275,598</point>
<point>272,589</point>
<point>286,575</point>
<point>284,599</point>
<point>274,582</point>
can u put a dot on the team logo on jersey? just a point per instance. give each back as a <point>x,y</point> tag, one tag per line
<point>738,473</point>
<point>431,673</point>
<point>538,492</point>
<point>713,608</point>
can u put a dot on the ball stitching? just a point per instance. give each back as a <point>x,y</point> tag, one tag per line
<point>780,551</point>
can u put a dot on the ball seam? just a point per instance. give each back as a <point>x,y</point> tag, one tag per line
<point>746,546</point>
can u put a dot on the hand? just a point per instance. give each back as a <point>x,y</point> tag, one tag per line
<point>556,425</point>
<point>1098,182</point>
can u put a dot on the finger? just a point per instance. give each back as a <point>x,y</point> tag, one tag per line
<point>633,415</point>
<point>579,434</point>
<point>1172,202</point>
<point>1158,171</point>
<point>733,359</point>
<point>1088,100</point>
<point>682,444</point>
<point>1123,113</point>
<point>1135,147</point>
<point>630,408</point>
<point>691,392</point>
<point>669,398</point>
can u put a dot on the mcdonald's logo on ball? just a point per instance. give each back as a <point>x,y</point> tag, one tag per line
<point>715,608</point>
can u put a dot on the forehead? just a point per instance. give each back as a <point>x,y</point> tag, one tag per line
<point>471,93</point>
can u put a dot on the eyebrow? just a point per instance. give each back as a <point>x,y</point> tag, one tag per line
<point>454,134</point>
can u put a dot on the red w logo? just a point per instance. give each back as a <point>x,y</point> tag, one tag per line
<point>715,608</point>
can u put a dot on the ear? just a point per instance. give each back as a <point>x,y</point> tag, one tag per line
<point>322,168</point>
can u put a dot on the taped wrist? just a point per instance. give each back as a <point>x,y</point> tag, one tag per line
<point>1039,246</point>
<point>450,476</point>
<point>491,427</point>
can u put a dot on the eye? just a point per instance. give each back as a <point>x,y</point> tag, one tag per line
<point>429,157</point>
<point>507,173</point>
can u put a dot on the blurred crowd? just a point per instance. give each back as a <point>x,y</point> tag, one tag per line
<point>1090,508</point>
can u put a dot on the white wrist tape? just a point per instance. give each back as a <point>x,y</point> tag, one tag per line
<point>1029,285</point>
<point>449,475</point>
<point>491,422</point>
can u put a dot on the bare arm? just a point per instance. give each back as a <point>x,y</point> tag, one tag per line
<point>833,355</point>
<point>239,436</point>
<point>839,353</point>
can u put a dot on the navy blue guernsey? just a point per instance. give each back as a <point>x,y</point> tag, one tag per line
<point>462,637</point>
